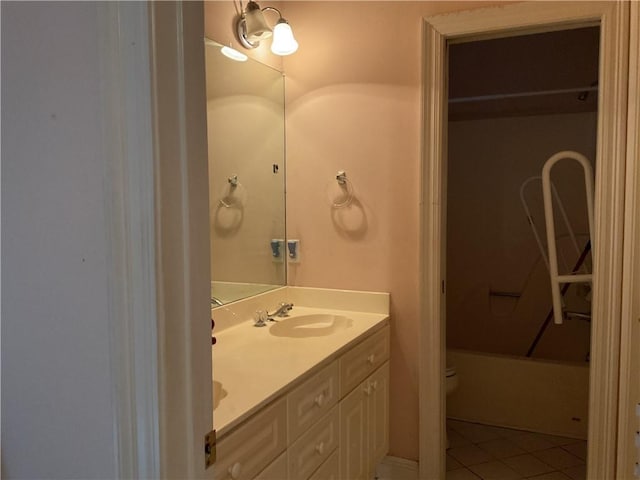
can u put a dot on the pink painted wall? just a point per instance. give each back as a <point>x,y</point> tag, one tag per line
<point>353,103</point>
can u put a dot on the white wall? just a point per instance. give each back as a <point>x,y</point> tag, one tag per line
<point>57,409</point>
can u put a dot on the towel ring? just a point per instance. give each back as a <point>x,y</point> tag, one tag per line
<point>235,187</point>
<point>347,186</point>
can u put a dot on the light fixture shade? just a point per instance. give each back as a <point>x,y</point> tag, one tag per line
<point>283,42</point>
<point>255,24</point>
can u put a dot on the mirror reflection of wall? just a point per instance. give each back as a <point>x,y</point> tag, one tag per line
<point>245,128</point>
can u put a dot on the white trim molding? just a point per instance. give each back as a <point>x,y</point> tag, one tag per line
<point>513,19</point>
<point>182,236</point>
<point>629,422</point>
<point>154,88</point>
<point>432,255</point>
<point>129,182</point>
<point>607,249</point>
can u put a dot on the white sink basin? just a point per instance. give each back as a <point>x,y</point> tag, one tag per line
<point>218,393</point>
<point>316,325</point>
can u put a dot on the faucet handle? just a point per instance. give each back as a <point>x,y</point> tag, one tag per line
<point>260,318</point>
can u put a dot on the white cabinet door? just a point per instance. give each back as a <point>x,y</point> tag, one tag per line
<point>353,436</point>
<point>364,426</point>
<point>378,415</point>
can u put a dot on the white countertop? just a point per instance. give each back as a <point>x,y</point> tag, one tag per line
<point>251,367</point>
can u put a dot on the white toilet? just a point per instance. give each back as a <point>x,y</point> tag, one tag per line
<point>451,384</point>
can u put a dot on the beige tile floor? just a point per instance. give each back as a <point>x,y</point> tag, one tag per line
<point>491,453</point>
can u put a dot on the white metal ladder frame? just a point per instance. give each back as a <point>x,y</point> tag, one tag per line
<point>556,279</point>
<point>532,224</point>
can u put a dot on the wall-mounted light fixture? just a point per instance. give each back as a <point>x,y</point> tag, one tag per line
<point>252,28</point>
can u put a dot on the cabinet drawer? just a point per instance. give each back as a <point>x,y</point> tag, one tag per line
<point>277,470</point>
<point>329,470</point>
<point>251,447</point>
<point>312,400</point>
<point>363,359</point>
<point>314,447</point>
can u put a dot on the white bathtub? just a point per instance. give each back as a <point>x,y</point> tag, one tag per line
<point>530,394</point>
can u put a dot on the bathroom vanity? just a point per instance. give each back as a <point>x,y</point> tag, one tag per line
<point>307,396</point>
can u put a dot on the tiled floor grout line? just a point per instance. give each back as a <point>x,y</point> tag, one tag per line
<point>509,454</point>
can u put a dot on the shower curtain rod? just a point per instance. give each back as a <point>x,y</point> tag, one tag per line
<point>484,98</point>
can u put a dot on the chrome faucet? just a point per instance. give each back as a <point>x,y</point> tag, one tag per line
<point>282,310</point>
<point>261,317</point>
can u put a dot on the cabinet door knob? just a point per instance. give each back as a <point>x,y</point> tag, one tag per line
<point>371,358</point>
<point>235,470</point>
<point>374,384</point>
<point>367,389</point>
<point>319,400</point>
<point>320,448</point>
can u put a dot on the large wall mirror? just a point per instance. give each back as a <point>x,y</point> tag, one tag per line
<point>245,128</point>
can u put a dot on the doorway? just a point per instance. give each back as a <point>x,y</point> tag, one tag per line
<point>493,23</point>
<point>517,383</point>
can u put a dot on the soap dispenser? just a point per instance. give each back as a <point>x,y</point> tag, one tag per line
<point>293,246</point>
<point>277,249</point>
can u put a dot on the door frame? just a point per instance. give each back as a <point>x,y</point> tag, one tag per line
<point>629,423</point>
<point>130,205</point>
<point>158,219</point>
<point>527,17</point>
<point>182,236</point>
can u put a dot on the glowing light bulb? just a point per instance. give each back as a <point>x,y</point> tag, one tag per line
<point>283,41</point>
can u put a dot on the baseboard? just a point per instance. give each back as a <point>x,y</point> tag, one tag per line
<point>400,462</point>
<point>396,467</point>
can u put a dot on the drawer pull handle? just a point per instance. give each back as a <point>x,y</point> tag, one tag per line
<point>319,400</point>
<point>320,448</point>
<point>374,384</point>
<point>367,389</point>
<point>235,470</point>
<point>371,358</point>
